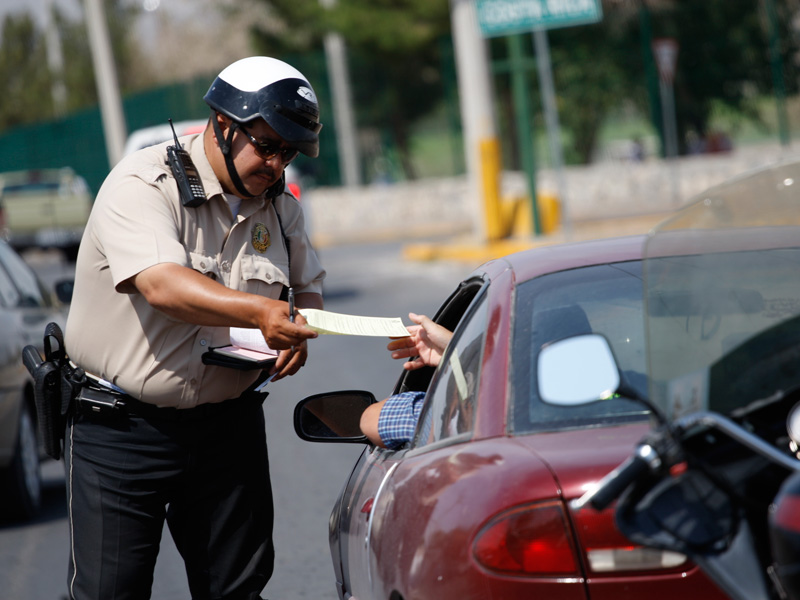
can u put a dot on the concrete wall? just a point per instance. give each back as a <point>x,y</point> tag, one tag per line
<point>438,207</point>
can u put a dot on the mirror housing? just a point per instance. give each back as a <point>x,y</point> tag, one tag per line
<point>63,290</point>
<point>577,370</point>
<point>332,417</point>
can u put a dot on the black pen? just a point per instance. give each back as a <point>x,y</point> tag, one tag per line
<point>291,307</point>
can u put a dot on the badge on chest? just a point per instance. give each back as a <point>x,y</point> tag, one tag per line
<point>260,238</point>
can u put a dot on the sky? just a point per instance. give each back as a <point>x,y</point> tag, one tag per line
<point>39,8</point>
<point>73,8</point>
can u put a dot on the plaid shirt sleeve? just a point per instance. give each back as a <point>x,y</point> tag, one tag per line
<point>398,418</point>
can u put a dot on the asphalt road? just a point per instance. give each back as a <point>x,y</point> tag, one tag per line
<point>362,279</point>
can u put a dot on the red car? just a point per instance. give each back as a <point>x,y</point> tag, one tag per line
<point>477,506</point>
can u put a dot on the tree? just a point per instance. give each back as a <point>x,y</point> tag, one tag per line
<point>393,47</point>
<point>724,56</point>
<point>27,77</point>
<point>26,84</point>
<point>597,69</point>
<point>723,61</point>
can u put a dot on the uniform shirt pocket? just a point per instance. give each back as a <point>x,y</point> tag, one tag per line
<point>205,265</point>
<point>260,275</point>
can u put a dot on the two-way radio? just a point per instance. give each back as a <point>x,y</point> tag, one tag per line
<point>190,186</point>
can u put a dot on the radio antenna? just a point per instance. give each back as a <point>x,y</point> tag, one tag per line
<point>175,135</point>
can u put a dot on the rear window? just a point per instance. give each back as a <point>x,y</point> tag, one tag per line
<point>63,182</point>
<point>32,188</point>
<point>605,299</point>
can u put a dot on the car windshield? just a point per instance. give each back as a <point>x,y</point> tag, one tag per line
<point>33,187</point>
<point>605,299</point>
<point>723,297</point>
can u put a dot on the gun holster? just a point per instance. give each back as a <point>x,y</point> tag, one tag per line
<point>55,385</point>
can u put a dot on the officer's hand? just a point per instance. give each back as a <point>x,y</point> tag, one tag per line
<point>281,333</point>
<point>290,361</point>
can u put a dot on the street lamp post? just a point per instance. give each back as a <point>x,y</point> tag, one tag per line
<point>105,77</point>
<point>777,70</point>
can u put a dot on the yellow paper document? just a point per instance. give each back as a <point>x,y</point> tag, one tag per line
<point>323,321</point>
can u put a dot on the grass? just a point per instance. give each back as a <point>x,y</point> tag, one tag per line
<point>437,151</point>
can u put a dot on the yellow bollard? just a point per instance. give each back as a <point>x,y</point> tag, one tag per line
<point>490,180</point>
<point>549,212</point>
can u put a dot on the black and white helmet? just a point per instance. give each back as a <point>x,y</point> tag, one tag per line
<point>260,86</point>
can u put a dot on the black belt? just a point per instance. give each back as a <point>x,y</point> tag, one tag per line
<point>94,401</point>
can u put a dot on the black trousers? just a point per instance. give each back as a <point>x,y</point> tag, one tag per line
<point>208,477</point>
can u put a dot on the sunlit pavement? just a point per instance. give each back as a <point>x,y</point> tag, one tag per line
<point>475,251</point>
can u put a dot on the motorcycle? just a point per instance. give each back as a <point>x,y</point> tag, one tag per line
<point>717,478</point>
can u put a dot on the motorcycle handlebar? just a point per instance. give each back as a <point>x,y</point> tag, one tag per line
<point>612,485</point>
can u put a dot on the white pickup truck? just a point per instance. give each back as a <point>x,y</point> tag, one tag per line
<point>44,208</point>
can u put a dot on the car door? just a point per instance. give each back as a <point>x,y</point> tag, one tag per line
<point>25,311</point>
<point>447,421</point>
<point>408,500</point>
<point>365,486</point>
<point>372,476</point>
<point>21,307</point>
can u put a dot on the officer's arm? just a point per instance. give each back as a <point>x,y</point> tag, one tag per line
<point>309,300</point>
<point>185,294</point>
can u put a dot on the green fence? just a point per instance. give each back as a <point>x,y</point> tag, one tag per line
<point>77,140</point>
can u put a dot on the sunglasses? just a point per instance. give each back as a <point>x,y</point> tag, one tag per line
<point>269,150</point>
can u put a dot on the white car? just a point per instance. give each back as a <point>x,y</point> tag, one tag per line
<point>25,310</point>
<point>149,136</point>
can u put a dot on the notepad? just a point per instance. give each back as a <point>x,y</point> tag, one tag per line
<point>248,350</point>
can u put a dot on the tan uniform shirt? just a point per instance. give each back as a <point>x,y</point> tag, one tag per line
<point>138,221</point>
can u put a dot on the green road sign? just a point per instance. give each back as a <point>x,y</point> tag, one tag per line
<point>506,17</point>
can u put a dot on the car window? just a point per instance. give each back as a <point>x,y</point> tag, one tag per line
<point>25,289</point>
<point>33,187</point>
<point>604,299</point>
<point>450,404</point>
<point>449,315</point>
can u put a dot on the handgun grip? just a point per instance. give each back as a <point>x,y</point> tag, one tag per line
<point>31,358</point>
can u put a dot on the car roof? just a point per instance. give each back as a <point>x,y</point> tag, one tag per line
<point>150,136</point>
<point>24,176</point>
<point>531,263</point>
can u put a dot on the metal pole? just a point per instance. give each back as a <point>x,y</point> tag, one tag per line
<point>346,131</point>
<point>651,74</point>
<point>55,62</point>
<point>551,118</point>
<point>522,111</point>
<point>474,87</point>
<point>105,77</point>
<point>671,136</point>
<point>346,138</point>
<point>776,63</point>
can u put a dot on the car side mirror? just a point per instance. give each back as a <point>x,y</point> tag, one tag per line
<point>332,417</point>
<point>63,290</point>
<point>577,370</point>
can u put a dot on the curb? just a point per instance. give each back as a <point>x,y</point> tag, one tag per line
<point>474,251</point>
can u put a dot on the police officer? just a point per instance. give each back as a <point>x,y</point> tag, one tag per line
<point>158,282</point>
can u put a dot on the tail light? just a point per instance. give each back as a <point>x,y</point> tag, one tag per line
<point>632,558</point>
<point>536,540</point>
<point>609,552</point>
<point>532,540</point>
